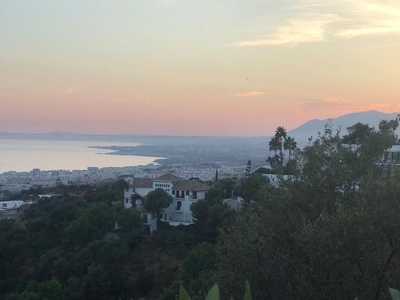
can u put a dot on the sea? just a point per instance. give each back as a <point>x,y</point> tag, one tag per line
<point>25,155</point>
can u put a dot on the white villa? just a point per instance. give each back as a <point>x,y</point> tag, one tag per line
<point>184,191</point>
<point>10,205</point>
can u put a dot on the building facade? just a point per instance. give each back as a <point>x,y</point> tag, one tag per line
<point>183,191</point>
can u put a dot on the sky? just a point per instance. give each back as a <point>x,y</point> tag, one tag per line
<point>190,67</point>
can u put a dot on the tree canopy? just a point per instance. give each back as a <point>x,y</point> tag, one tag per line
<point>332,232</point>
<point>157,200</point>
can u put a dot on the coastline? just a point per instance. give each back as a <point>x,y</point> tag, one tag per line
<point>23,156</point>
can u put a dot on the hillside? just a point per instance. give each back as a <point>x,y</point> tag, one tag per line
<point>312,127</point>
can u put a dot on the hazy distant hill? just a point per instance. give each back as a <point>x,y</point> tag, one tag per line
<point>311,128</point>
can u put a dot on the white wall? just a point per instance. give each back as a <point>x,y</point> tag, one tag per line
<point>143,191</point>
<point>151,221</point>
<point>128,197</point>
<point>4,205</point>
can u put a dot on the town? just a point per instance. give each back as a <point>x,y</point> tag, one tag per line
<point>153,229</point>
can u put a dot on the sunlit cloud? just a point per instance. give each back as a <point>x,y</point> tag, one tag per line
<point>317,21</point>
<point>311,29</point>
<point>373,19</point>
<point>248,94</point>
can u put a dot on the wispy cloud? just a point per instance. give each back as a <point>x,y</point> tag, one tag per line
<point>68,91</point>
<point>317,21</point>
<point>311,29</point>
<point>372,19</point>
<point>248,94</point>
<point>119,99</point>
<point>332,104</point>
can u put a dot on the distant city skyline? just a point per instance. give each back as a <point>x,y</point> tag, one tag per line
<point>185,67</point>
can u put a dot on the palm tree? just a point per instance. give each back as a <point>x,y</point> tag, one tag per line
<point>290,144</point>
<point>274,144</point>
<point>280,132</point>
<point>280,135</point>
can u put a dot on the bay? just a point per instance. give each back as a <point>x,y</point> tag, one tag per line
<point>25,155</point>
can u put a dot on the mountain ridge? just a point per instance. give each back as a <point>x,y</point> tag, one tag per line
<point>311,128</point>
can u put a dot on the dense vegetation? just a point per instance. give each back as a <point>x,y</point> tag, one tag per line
<point>68,248</point>
<point>330,232</point>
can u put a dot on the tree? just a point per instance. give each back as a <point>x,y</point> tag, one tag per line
<point>248,168</point>
<point>290,144</point>
<point>277,144</point>
<point>157,200</point>
<point>360,134</point>
<point>253,185</point>
<point>280,134</point>
<point>274,144</point>
<point>332,233</point>
<point>92,224</point>
<point>96,284</point>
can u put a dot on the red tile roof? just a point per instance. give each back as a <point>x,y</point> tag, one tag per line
<point>142,183</point>
<point>190,185</point>
<point>167,177</point>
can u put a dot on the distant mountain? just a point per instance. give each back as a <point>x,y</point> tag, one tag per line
<point>311,128</point>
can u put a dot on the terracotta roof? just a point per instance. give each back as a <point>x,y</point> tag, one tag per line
<point>142,183</point>
<point>190,185</point>
<point>167,177</point>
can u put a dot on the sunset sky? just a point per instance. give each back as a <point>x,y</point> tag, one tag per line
<point>192,67</point>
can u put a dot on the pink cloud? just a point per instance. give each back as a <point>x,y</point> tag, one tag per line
<point>68,91</point>
<point>329,104</point>
<point>248,94</point>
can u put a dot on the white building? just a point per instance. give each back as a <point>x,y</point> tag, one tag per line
<point>184,193</point>
<point>8,205</point>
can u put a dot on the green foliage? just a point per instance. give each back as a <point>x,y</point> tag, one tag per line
<point>61,253</point>
<point>92,224</point>
<point>209,219</point>
<point>247,293</point>
<point>183,295</point>
<point>213,293</point>
<point>395,294</point>
<point>157,200</point>
<point>96,284</point>
<point>252,186</point>
<point>279,142</point>
<point>333,233</point>
<point>359,135</point>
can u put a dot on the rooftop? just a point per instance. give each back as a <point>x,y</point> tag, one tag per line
<point>355,126</point>
<point>190,185</point>
<point>167,177</point>
<point>142,183</point>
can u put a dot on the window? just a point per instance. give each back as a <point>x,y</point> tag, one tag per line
<point>173,192</point>
<point>187,193</point>
<point>4,205</point>
<point>165,216</point>
<point>145,218</point>
<point>178,205</point>
<point>194,195</point>
<point>126,200</point>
